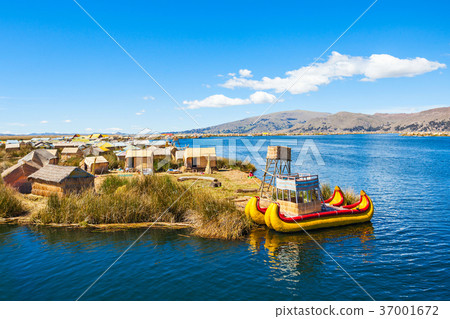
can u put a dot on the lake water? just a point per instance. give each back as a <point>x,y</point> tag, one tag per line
<point>402,254</point>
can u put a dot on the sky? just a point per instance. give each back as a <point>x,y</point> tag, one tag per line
<point>178,65</point>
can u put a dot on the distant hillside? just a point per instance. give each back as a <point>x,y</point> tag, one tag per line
<point>434,120</point>
<point>267,123</point>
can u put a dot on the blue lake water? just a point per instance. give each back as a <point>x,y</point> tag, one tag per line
<point>402,254</point>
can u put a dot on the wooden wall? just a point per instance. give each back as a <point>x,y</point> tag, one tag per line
<point>69,185</point>
<point>201,162</point>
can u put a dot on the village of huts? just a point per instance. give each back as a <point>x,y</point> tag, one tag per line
<point>59,165</point>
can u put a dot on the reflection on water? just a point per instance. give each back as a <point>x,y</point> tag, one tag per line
<point>295,251</point>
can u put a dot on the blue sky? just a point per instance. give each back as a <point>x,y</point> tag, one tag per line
<point>59,72</point>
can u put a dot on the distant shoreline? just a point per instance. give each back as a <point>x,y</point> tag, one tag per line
<point>196,136</point>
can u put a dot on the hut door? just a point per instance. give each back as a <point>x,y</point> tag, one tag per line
<point>130,162</point>
<point>194,162</point>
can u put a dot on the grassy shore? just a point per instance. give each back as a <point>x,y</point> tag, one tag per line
<point>10,205</point>
<point>148,199</point>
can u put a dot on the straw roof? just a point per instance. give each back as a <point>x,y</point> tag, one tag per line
<point>119,144</point>
<point>96,159</point>
<point>120,153</point>
<point>105,145</point>
<point>131,147</point>
<point>40,157</point>
<point>57,174</point>
<point>93,150</point>
<point>200,152</point>
<point>70,150</point>
<point>139,153</point>
<point>157,142</point>
<point>166,151</point>
<point>12,146</point>
<point>67,144</point>
<point>53,152</point>
<point>14,172</point>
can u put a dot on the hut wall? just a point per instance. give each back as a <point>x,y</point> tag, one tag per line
<point>201,162</point>
<point>18,178</point>
<point>100,168</point>
<point>12,149</point>
<point>46,189</point>
<point>70,185</point>
<point>141,163</point>
<point>77,184</point>
<point>22,185</point>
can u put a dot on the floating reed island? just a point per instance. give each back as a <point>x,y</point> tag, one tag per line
<point>141,201</point>
<point>44,185</point>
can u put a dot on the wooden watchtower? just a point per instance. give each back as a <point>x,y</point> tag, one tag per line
<point>278,162</point>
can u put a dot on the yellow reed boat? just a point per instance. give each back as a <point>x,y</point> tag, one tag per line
<point>299,206</point>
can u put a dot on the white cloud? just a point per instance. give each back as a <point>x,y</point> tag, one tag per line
<point>339,66</point>
<point>67,121</point>
<point>220,100</point>
<point>88,129</point>
<point>44,122</point>
<point>140,112</point>
<point>232,74</point>
<point>261,97</point>
<point>148,97</point>
<point>386,66</point>
<point>206,86</point>
<point>244,73</point>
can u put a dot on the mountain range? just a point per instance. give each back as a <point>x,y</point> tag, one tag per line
<point>299,121</point>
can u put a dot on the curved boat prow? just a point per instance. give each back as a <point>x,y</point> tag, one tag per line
<point>254,211</point>
<point>337,199</point>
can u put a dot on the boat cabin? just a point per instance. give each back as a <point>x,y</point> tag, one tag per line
<point>298,194</point>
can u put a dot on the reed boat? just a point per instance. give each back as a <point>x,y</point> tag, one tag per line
<point>299,206</point>
<point>255,212</point>
<point>330,216</point>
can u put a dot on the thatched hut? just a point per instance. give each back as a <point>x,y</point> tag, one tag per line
<point>197,158</point>
<point>42,144</point>
<point>54,179</point>
<point>167,153</point>
<point>93,150</point>
<point>62,145</point>
<point>40,157</point>
<point>17,176</point>
<point>139,159</point>
<point>12,147</point>
<point>69,152</point>
<point>95,165</point>
<point>121,155</point>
